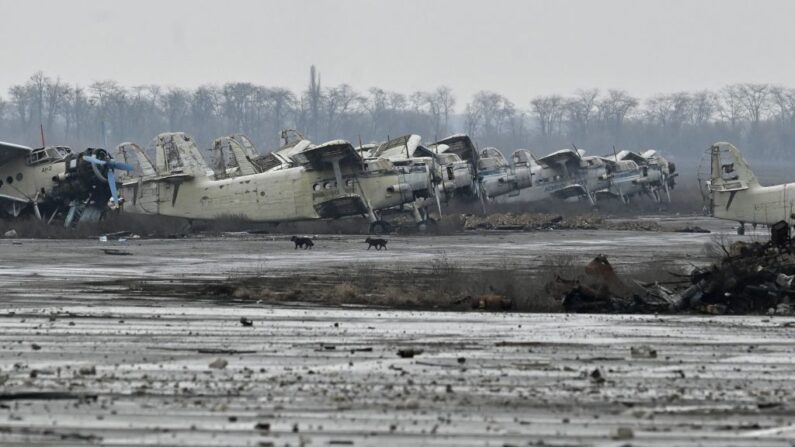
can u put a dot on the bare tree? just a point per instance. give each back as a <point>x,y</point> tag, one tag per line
<point>730,105</point>
<point>441,103</point>
<point>205,111</point>
<point>703,107</point>
<point>339,102</point>
<point>176,104</point>
<point>580,111</point>
<point>613,110</point>
<point>670,111</point>
<point>755,99</point>
<point>237,103</point>
<point>549,113</point>
<point>490,112</point>
<point>783,101</point>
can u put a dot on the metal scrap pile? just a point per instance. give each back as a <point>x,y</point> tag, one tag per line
<point>751,278</point>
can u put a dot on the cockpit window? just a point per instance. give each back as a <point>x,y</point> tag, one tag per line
<point>43,155</point>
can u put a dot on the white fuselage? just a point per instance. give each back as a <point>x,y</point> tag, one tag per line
<point>764,205</point>
<point>276,196</point>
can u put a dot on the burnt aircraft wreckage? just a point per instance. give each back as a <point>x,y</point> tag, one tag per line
<point>54,183</point>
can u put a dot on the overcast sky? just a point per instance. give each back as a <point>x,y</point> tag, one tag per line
<point>517,48</point>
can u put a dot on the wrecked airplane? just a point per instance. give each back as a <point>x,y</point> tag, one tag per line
<point>435,172</point>
<point>54,183</point>
<point>633,174</point>
<point>498,178</point>
<point>561,175</point>
<point>735,194</point>
<point>316,182</point>
<point>570,174</point>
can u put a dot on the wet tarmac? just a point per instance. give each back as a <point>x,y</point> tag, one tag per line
<point>82,364</point>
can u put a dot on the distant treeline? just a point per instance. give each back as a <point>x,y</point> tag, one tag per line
<point>758,118</point>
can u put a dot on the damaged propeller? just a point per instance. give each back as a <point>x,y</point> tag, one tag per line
<point>111,166</point>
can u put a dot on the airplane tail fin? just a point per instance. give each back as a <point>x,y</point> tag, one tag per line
<point>728,169</point>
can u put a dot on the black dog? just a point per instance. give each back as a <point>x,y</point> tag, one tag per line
<point>303,242</point>
<point>377,243</point>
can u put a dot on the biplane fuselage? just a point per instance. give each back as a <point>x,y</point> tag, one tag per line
<point>52,180</point>
<point>735,193</point>
<point>327,182</point>
<point>276,196</point>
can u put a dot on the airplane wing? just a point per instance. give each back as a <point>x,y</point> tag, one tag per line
<point>318,156</point>
<point>288,151</point>
<point>398,148</point>
<point>458,144</point>
<point>491,160</point>
<point>270,161</point>
<point>633,156</point>
<point>609,160</point>
<point>10,151</point>
<point>604,194</point>
<point>570,191</point>
<point>557,158</point>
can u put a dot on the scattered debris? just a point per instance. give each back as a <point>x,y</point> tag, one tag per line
<point>218,363</point>
<point>751,278</point>
<point>367,349</point>
<point>408,353</point>
<point>35,346</point>
<point>10,233</point>
<point>622,434</point>
<point>643,352</point>
<point>531,222</point>
<point>491,301</point>
<point>116,252</point>
<point>692,229</point>
<point>225,351</point>
<point>632,225</point>
<point>246,322</point>
<point>46,395</point>
<point>596,376</point>
<point>89,370</point>
<point>118,235</point>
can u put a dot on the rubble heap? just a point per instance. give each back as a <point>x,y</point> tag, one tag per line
<point>751,278</point>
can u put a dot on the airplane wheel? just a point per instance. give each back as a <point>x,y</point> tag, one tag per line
<point>425,225</point>
<point>380,227</point>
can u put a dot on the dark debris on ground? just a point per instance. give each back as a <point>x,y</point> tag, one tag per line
<point>752,278</point>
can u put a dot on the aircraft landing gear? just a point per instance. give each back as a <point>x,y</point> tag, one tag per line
<point>741,229</point>
<point>426,224</point>
<point>380,227</point>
